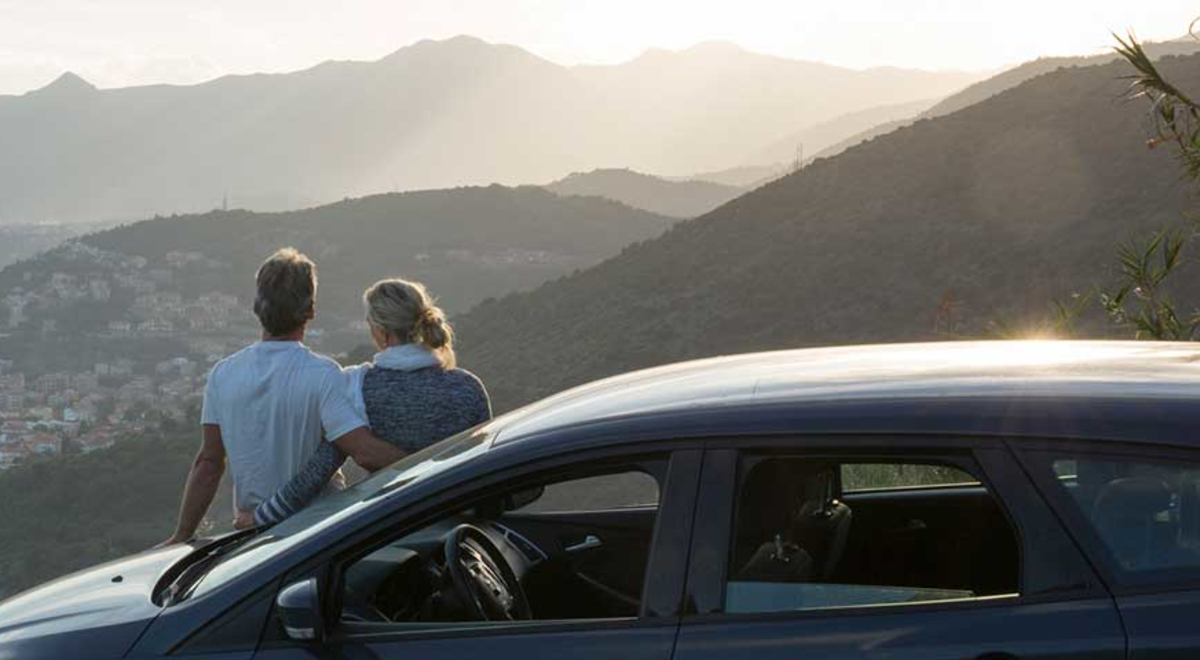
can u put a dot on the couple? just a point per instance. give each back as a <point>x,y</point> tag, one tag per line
<point>285,418</point>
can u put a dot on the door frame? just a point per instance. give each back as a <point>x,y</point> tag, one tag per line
<point>1067,576</point>
<point>666,572</point>
<point>1118,582</point>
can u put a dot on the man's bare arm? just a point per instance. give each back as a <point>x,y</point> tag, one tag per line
<point>205,477</point>
<point>369,452</point>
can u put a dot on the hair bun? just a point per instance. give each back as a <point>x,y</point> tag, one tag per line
<point>432,327</point>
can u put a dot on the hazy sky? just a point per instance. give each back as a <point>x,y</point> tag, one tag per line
<point>126,42</point>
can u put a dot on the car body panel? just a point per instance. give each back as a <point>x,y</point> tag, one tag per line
<point>1161,626</point>
<point>1075,629</point>
<point>602,641</point>
<point>95,613</point>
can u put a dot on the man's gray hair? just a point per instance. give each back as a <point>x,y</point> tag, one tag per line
<point>287,291</point>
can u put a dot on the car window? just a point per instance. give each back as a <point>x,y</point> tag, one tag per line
<point>610,491</point>
<point>803,541</point>
<point>876,476</point>
<point>581,566</point>
<point>1144,512</point>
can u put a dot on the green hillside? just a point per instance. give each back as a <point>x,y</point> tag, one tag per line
<point>998,83</point>
<point>1000,207</point>
<point>63,515</point>
<point>467,244</point>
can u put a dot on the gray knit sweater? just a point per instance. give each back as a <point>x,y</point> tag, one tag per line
<point>410,409</point>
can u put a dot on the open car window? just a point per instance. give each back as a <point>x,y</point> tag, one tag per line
<point>907,532</point>
<point>607,492</point>
<point>586,562</point>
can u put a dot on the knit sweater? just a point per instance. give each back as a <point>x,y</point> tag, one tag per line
<point>412,407</point>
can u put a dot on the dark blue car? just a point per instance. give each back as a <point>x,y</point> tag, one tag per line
<point>943,501</point>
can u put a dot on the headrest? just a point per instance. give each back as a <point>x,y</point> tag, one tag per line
<point>1132,497</point>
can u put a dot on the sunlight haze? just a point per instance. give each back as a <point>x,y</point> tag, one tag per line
<point>137,42</point>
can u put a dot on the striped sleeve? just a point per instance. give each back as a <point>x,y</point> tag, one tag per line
<point>303,488</point>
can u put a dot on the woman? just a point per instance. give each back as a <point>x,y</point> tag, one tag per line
<point>412,394</point>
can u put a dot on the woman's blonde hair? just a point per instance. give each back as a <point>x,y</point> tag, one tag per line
<point>406,311</point>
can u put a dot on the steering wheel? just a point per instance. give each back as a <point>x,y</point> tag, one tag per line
<point>482,577</point>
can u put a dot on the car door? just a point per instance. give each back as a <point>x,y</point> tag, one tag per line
<point>1136,511</point>
<point>1010,585</point>
<point>592,525</point>
<point>648,633</point>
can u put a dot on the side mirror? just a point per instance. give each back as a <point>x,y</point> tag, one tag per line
<point>299,608</point>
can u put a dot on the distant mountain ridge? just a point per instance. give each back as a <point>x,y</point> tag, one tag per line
<point>679,199</point>
<point>931,231</point>
<point>1002,81</point>
<point>430,115</point>
<point>815,139</point>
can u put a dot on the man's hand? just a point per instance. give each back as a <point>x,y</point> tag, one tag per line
<point>244,520</point>
<point>174,540</point>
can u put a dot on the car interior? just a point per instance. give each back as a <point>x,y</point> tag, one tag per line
<point>1146,513</point>
<point>804,542</point>
<point>572,547</point>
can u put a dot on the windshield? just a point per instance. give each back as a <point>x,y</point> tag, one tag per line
<point>435,459</point>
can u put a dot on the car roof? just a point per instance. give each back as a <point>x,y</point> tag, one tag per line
<point>1004,372</point>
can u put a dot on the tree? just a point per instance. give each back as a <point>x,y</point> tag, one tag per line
<point>1141,300</point>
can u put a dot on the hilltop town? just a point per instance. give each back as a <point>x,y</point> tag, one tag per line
<point>46,411</point>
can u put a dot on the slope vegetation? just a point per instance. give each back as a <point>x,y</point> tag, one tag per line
<point>999,208</point>
<point>680,199</point>
<point>1002,81</point>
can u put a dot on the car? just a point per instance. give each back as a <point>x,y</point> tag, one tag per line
<point>951,500</point>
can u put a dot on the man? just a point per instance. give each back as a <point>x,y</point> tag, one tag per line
<point>268,407</point>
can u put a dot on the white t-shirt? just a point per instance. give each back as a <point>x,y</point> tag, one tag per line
<point>274,402</point>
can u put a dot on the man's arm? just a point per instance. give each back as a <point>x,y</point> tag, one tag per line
<point>303,487</point>
<point>346,425</point>
<point>207,469</point>
<point>371,453</point>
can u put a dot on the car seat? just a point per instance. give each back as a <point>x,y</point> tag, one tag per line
<point>1124,514</point>
<point>821,522</point>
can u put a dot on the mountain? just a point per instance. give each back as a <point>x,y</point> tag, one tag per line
<point>679,199</point>
<point>1017,75</point>
<point>742,176</point>
<point>1002,81</point>
<point>23,241</point>
<point>431,115</point>
<point>701,106</point>
<point>985,214</point>
<point>467,244</point>
<point>821,136</point>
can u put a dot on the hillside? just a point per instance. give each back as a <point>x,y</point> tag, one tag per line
<point>679,199</point>
<point>1001,207</point>
<point>61,516</point>
<point>1002,81</point>
<point>431,115</point>
<point>819,137</point>
<point>742,176</point>
<point>139,291</point>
